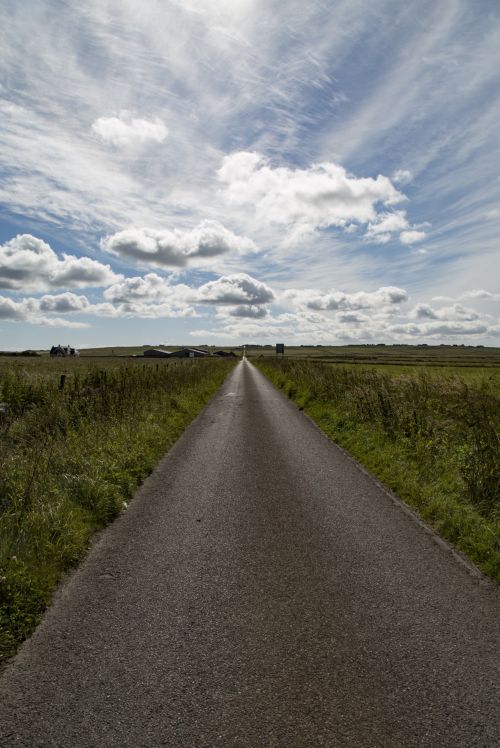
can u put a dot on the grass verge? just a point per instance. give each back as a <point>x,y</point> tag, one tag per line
<point>432,440</point>
<point>72,455</point>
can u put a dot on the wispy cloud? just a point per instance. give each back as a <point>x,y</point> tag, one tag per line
<point>306,146</point>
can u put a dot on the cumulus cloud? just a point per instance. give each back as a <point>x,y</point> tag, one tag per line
<point>412,237</point>
<point>125,130</point>
<point>321,196</point>
<point>252,312</point>
<point>30,264</point>
<point>440,329</point>
<point>150,296</point>
<point>480,293</point>
<point>176,248</point>
<point>238,289</point>
<point>150,287</point>
<point>449,313</point>
<point>29,310</point>
<point>384,297</point>
<point>386,224</point>
<point>156,296</point>
<point>63,303</point>
<point>11,310</point>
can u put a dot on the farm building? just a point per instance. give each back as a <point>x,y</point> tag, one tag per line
<point>189,353</point>
<point>156,353</point>
<point>59,351</point>
<point>224,353</point>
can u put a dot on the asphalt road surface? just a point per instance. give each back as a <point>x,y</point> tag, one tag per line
<point>261,590</point>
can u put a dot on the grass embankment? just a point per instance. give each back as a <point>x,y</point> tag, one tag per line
<point>70,457</point>
<point>432,439</point>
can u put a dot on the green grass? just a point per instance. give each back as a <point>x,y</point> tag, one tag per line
<point>383,355</point>
<point>71,457</point>
<point>432,437</point>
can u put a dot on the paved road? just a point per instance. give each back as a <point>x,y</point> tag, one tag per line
<point>261,590</point>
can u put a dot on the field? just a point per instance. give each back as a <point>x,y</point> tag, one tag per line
<point>431,434</point>
<point>389,355</point>
<point>76,438</point>
<point>128,351</point>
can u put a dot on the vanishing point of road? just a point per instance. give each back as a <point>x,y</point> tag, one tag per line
<point>261,590</point>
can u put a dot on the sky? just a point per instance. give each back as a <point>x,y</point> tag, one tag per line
<point>249,171</point>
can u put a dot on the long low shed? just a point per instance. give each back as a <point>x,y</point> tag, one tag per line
<point>156,353</point>
<point>189,353</point>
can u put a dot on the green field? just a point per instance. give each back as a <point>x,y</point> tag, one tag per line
<point>76,438</point>
<point>406,355</point>
<point>126,351</point>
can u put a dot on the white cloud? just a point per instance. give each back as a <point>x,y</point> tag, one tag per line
<point>148,288</point>
<point>63,303</point>
<point>291,85</point>
<point>453,313</point>
<point>321,196</point>
<point>236,289</point>
<point>250,312</point>
<point>412,237</point>
<point>150,296</point>
<point>28,263</point>
<point>402,176</point>
<point>125,130</point>
<point>383,298</point>
<point>438,329</point>
<point>11,310</point>
<point>480,293</point>
<point>177,248</point>
<point>385,225</point>
<point>28,310</point>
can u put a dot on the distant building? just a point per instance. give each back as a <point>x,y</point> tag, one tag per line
<point>156,353</point>
<point>189,353</point>
<point>224,353</point>
<point>61,351</point>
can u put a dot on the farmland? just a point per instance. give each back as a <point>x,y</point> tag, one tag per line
<point>76,438</point>
<point>389,355</point>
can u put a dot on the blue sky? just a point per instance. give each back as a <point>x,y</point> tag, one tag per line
<point>208,171</point>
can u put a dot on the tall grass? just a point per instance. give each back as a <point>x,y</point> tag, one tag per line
<point>433,440</point>
<point>72,451</point>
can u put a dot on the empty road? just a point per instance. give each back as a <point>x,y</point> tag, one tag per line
<point>261,590</point>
